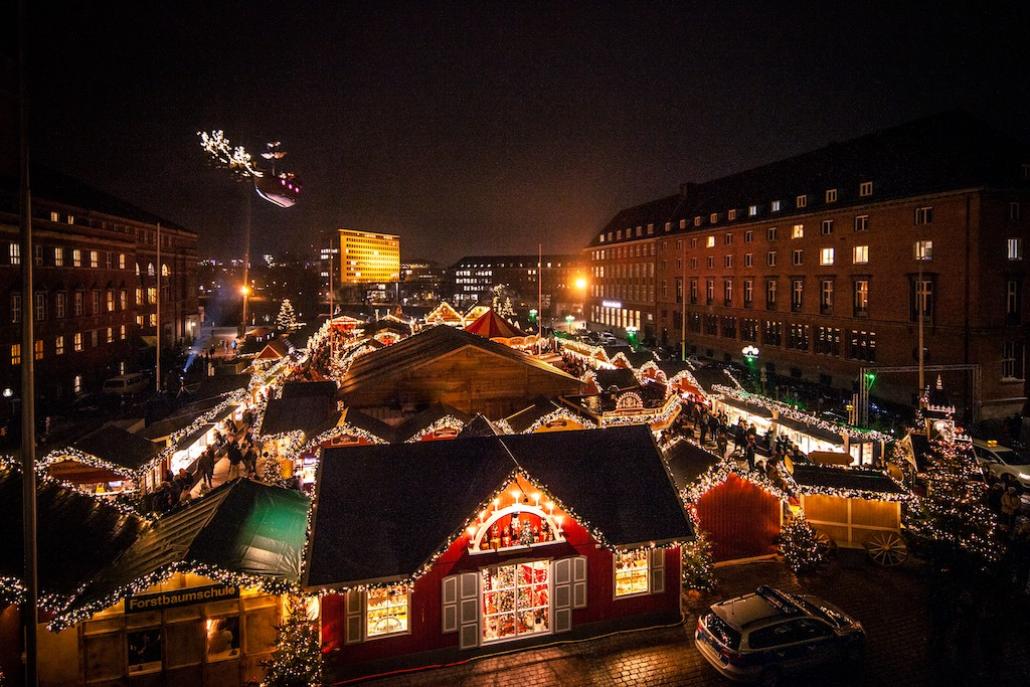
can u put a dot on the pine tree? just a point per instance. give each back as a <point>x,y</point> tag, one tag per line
<point>800,547</point>
<point>953,516</point>
<point>297,661</point>
<point>697,563</point>
<point>286,320</point>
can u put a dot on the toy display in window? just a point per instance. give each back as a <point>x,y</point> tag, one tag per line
<point>515,600</point>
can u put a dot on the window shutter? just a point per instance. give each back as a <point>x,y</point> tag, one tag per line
<point>562,570</point>
<point>657,571</point>
<point>579,582</point>
<point>355,631</point>
<point>468,610</point>
<point>449,607</point>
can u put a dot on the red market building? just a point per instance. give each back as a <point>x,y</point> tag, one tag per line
<point>433,552</point>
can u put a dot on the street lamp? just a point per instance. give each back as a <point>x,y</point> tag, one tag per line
<point>581,283</point>
<point>750,353</point>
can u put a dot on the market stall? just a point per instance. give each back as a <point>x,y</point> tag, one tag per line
<point>751,413</point>
<point>108,460</point>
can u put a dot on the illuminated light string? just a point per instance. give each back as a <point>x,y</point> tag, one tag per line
<point>792,413</point>
<point>234,158</point>
<point>407,582</point>
<point>446,422</point>
<point>553,416</point>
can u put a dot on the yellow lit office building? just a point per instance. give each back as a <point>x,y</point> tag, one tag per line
<point>369,257</point>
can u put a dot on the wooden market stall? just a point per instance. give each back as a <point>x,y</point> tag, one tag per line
<point>855,507</point>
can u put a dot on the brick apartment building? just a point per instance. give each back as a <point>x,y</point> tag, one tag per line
<point>824,262</point>
<point>96,277</point>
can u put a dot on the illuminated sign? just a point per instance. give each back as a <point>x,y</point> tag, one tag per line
<point>611,304</point>
<point>180,597</point>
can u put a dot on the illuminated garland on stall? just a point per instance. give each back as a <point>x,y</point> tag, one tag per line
<point>556,414</point>
<point>717,474</point>
<point>446,422</point>
<point>78,456</point>
<point>666,413</point>
<point>12,591</point>
<point>407,582</point>
<point>849,493</point>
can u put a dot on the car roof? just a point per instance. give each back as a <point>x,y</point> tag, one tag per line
<point>748,610</point>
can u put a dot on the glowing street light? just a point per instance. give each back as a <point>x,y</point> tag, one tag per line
<point>581,283</point>
<point>245,290</point>
<point>750,353</point>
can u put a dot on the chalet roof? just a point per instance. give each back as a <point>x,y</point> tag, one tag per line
<point>688,462</point>
<point>524,419</point>
<point>363,421</point>
<point>387,324</point>
<point>426,346</point>
<point>816,477</point>
<point>118,447</point>
<point>710,375</point>
<point>241,526</point>
<point>810,429</point>
<point>490,325</point>
<point>444,312</point>
<point>422,419</point>
<point>217,385</point>
<point>614,479</point>
<point>947,151</point>
<point>309,414</point>
<point>77,534</point>
<point>478,426</point>
<point>752,408</point>
<point>620,376</point>
<point>671,368</point>
<point>323,390</point>
<point>635,358</point>
<point>276,348</point>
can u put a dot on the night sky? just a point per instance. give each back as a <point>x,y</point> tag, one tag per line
<point>488,128</point>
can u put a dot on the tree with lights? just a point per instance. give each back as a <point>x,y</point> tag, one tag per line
<point>800,546</point>
<point>502,303</point>
<point>697,562</point>
<point>954,517</point>
<point>297,661</point>
<point>286,320</point>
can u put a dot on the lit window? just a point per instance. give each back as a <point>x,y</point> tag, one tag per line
<point>752,210</point>
<point>77,341</point>
<point>121,261</point>
<point>1015,249</point>
<point>71,219</point>
<point>16,354</point>
<point>94,258</point>
<point>923,250</point>
<point>110,335</point>
<point>802,201</point>
<point>683,223</point>
<point>76,257</point>
<point>860,255</point>
<point>121,332</point>
<point>15,253</point>
<point>109,300</point>
<point>831,195</point>
<point>515,600</point>
<point>826,256</point>
<point>55,216</point>
<point>38,348</point>
<point>58,257</point>
<point>59,346</point>
<point>775,206</point>
<point>865,189</point>
<point>77,384</point>
<point>632,573</point>
<point>731,215</point>
<point>710,242</point>
<point>798,232</point>
<point>924,215</point>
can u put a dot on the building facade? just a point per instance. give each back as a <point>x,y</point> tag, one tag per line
<point>826,263</point>
<point>473,278</point>
<point>95,292</point>
<point>368,257</point>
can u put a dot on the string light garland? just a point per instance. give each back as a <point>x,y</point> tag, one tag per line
<point>445,422</point>
<point>298,659</point>
<point>554,416</point>
<point>905,496</point>
<point>800,545</point>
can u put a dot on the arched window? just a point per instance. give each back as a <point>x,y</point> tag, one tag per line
<point>150,269</point>
<point>137,269</point>
<point>164,270</point>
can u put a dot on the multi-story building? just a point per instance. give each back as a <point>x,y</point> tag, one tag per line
<point>421,282</point>
<point>95,285</point>
<point>474,277</point>
<point>369,257</point>
<point>826,262</point>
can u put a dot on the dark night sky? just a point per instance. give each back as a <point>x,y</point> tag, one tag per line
<point>487,129</point>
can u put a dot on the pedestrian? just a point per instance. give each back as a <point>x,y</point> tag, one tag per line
<point>749,453</point>
<point>206,466</point>
<point>721,443</point>
<point>250,461</point>
<point>703,429</point>
<point>1010,506</point>
<point>235,461</point>
<point>739,435</point>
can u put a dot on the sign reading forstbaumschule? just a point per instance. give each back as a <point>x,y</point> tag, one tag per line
<point>180,597</point>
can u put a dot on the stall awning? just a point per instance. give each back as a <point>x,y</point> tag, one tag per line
<point>819,433</point>
<point>749,408</point>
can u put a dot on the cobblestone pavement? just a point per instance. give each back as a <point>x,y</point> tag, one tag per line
<point>891,604</point>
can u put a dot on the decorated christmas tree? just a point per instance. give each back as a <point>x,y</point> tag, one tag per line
<point>297,661</point>
<point>697,563</point>
<point>953,516</point>
<point>286,320</point>
<point>800,547</point>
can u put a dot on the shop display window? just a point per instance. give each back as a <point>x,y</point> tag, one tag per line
<point>386,612</point>
<point>223,638</point>
<point>144,650</point>
<point>516,600</point>
<point>631,573</point>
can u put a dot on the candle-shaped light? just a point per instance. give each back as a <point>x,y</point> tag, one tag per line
<point>550,507</point>
<point>497,503</point>
<point>559,519</point>
<point>515,494</point>
<point>536,497</point>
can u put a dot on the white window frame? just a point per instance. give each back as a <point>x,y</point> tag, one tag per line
<point>865,189</point>
<point>826,256</point>
<point>858,251</point>
<point>831,195</point>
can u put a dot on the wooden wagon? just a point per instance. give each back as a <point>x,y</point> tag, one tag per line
<point>855,508</point>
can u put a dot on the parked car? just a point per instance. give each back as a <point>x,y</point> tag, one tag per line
<point>607,339</point>
<point>764,636</point>
<point>126,384</point>
<point>1002,460</point>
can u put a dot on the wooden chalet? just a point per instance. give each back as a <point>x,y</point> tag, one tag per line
<point>453,367</point>
<point>108,460</point>
<point>445,314</point>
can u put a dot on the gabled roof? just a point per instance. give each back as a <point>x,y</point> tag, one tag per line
<point>365,422</point>
<point>635,358</point>
<point>813,478</point>
<point>426,346</point>
<point>241,527</point>
<point>444,312</point>
<point>688,462</point>
<point>478,426</point>
<point>308,414</point>
<point>490,325</point>
<point>710,375</point>
<point>811,430</point>
<point>76,534</point>
<point>752,408</point>
<point>621,377</point>
<point>118,447</point>
<point>274,349</point>
<point>387,324</point>
<point>322,390</point>
<point>612,478</point>
<point>524,419</point>
<point>424,418</point>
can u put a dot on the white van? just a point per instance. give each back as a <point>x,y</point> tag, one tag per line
<point>126,384</point>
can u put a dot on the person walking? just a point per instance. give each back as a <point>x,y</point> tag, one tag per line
<point>749,453</point>
<point>206,466</point>
<point>235,461</point>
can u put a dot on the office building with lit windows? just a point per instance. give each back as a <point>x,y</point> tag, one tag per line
<point>827,261</point>
<point>368,257</point>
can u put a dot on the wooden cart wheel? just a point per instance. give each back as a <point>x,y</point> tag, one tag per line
<point>887,549</point>
<point>827,545</point>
